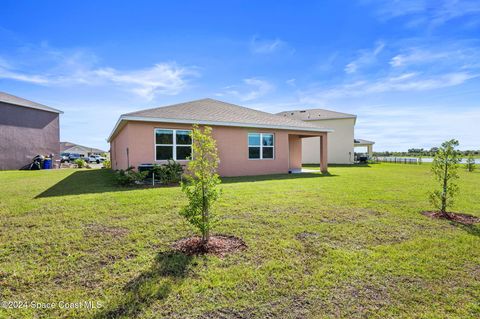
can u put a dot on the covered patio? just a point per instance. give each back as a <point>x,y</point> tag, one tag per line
<point>364,143</point>
<point>295,150</point>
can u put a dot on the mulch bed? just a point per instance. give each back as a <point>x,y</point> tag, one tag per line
<point>219,245</point>
<point>455,217</point>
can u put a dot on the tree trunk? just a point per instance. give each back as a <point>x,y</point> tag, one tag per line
<point>204,235</point>
<point>444,192</point>
<point>205,232</point>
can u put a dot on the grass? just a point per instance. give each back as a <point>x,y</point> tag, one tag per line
<point>352,244</point>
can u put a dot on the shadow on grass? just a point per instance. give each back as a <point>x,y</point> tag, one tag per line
<point>261,178</point>
<point>103,180</point>
<point>88,181</point>
<point>340,165</point>
<point>168,269</point>
<point>471,229</point>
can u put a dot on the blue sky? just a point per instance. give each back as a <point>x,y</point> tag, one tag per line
<point>410,70</point>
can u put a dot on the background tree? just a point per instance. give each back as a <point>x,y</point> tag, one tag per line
<point>445,166</point>
<point>201,182</point>
<point>470,165</point>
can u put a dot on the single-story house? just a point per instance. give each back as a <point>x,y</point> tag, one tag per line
<point>27,129</point>
<point>341,141</point>
<point>68,147</point>
<point>249,142</point>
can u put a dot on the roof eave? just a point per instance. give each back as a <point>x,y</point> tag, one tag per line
<point>331,118</point>
<point>41,108</point>
<point>214,123</point>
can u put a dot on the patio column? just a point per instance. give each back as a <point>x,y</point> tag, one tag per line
<point>370,149</point>
<point>323,153</point>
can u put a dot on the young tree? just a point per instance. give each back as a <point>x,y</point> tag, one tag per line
<point>201,183</point>
<point>444,166</point>
<point>470,165</point>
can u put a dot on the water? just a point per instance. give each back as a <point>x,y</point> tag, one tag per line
<point>430,159</point>
<point>464,160</point>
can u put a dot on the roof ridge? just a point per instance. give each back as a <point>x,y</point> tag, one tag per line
<point>315,109</point>
<point>175,104</point>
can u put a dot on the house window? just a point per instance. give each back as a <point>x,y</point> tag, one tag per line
<point>261,146</point>
<point>173,144</point>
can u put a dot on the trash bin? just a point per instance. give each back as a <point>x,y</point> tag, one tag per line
<point>47,163</point>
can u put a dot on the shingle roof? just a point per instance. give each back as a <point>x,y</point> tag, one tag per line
<point>214,112</point>
<point>15,100</point>
<point>315,114</point>
<point>360,141</point>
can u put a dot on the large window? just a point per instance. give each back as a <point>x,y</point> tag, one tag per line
<point>261,146</point>
<point>173,144</point>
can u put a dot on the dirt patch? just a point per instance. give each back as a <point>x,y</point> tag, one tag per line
<point>103,230</point>
<point>305,235</point>
<point>219,245</point>
<point>465,219</point>
<point>294,307</point>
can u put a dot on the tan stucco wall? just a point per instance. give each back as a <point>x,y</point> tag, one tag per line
<point>118,148</point>
<point>232,144</point>
<point>340,142</point>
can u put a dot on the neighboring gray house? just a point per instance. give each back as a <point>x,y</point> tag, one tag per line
<point>26,129</point>
<point>85,151</point>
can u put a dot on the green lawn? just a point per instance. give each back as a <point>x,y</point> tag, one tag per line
<point>349,245</point>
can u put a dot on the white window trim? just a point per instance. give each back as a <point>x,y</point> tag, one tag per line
<point>261,146</point>
<point>174,145</point>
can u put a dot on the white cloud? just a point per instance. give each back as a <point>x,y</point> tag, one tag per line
<point>365,57</point>
<point>418,56</point>
<point>30,78</point>
<point>58,68</point>
<point>406,82</point>
<point>264,46</point>
<point>429,13</point>
<point>252,88</point>
<point>291,82</point>
<point>162,78</point>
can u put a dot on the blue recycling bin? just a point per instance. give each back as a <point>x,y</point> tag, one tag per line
<point>47,163</point>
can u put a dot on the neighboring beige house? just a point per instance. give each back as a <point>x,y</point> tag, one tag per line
<point>364,143</point>
<point>249,142</point>
<point>340,142</point>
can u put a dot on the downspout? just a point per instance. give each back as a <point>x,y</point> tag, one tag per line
<point>128,159</point>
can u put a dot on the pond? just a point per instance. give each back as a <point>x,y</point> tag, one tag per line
<point>424,159</point>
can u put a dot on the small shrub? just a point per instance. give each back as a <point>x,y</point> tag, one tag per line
<point>444,167</point>
<point>130,176</point>
<point>201,183</point>
<point>80,163</point>
<point>107,164</point>
<point>168,173</point>
<point>470,165</point>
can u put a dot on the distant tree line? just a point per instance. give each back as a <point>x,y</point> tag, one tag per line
<point>424,152</point>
